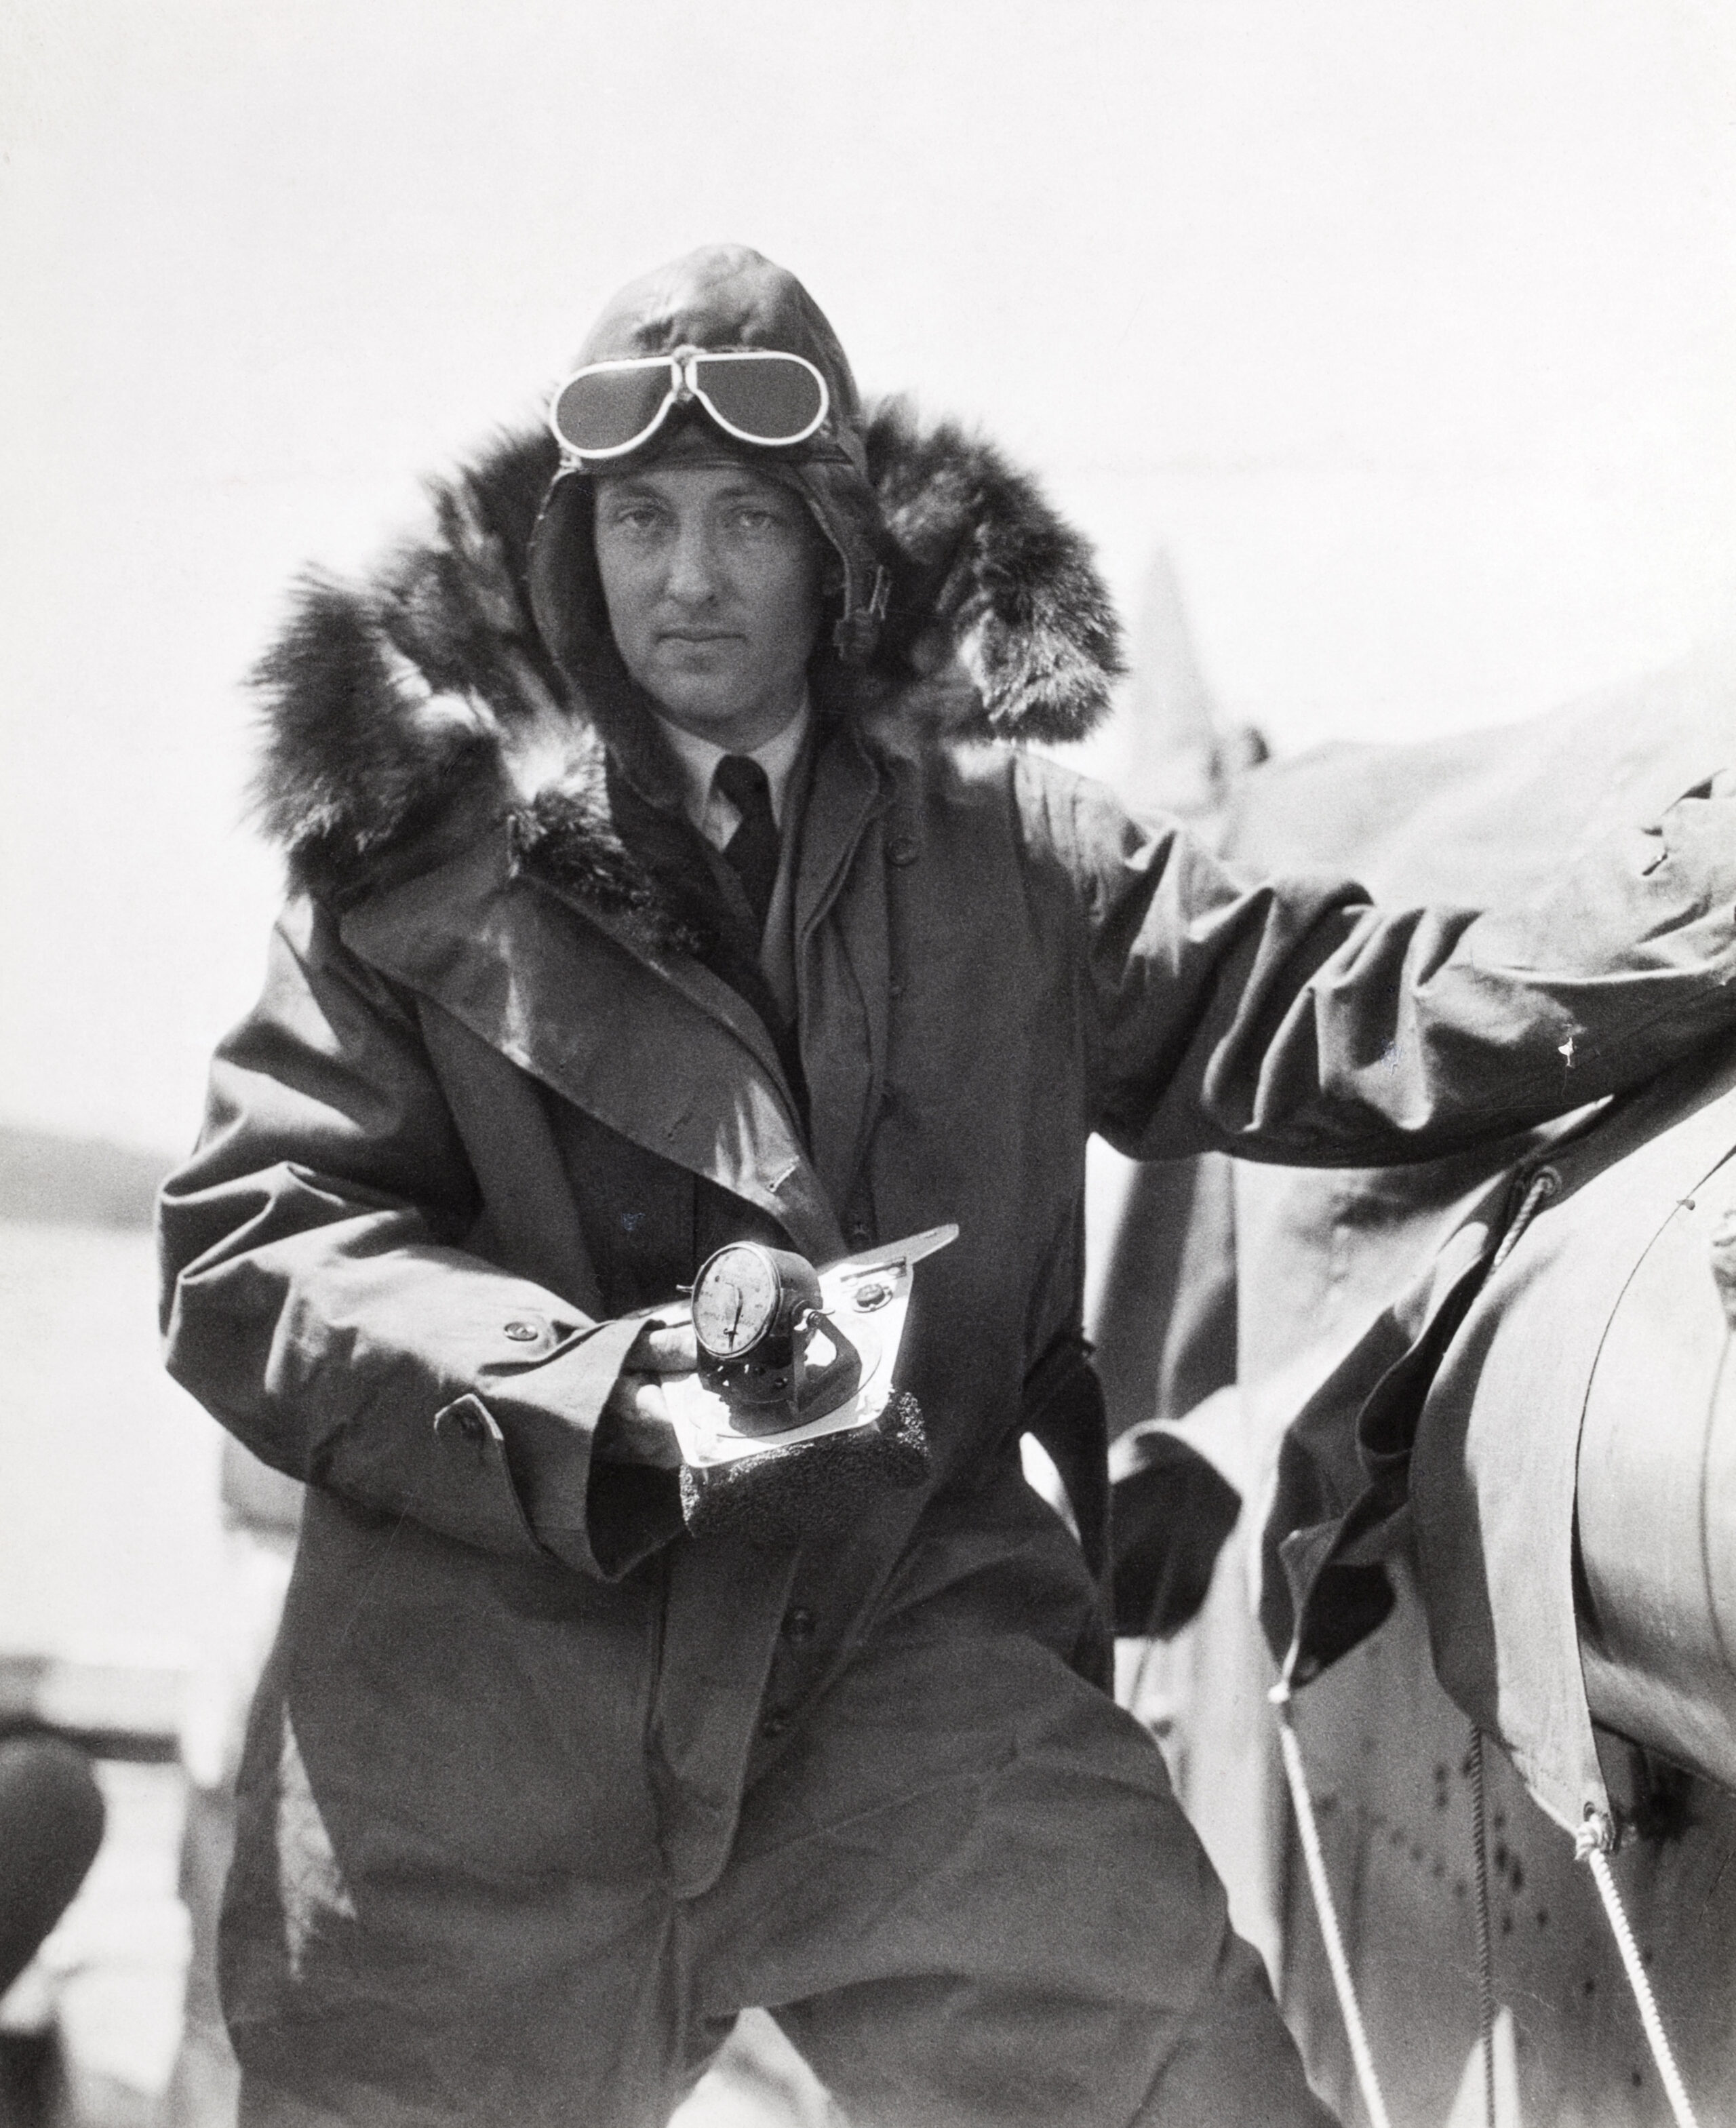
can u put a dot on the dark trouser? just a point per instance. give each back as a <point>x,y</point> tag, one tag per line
<point>964,1889</point>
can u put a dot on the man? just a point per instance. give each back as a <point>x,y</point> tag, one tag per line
<point>664,877</point>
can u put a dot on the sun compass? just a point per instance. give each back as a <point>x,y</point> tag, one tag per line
<point>787,1353</point>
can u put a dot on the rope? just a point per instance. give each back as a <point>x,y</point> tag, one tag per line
<point>1670,2075</point>
<point>1343,1985</point>
<point>1539,1190</point>
<point>1485,1951</point>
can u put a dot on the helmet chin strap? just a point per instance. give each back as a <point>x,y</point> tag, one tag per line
<point>853,635</point>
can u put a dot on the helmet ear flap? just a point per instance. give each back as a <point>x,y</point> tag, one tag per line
<point>834,584</point>
<point>566,588</point>
<point>590,608</point>
<point>834,577</point>
<point>857,581</point>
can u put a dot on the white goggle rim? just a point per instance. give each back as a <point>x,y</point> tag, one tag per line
<point>682,364</point>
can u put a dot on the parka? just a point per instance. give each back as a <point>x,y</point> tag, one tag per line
<point>493,1098</point>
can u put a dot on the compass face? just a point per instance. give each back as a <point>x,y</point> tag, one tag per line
<point>734,1301</point>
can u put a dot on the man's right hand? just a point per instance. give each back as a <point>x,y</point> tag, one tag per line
<point>636,1426</point>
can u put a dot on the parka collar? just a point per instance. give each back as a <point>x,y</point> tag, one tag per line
<point>667,1055</point>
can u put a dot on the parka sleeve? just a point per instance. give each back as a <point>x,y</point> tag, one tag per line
<point>1291,1021</point>
<point>317,1300</point>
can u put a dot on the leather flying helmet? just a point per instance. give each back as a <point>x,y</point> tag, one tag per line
<point>723,300</point>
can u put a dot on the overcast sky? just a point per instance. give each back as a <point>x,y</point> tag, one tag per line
<point>1408,330</point>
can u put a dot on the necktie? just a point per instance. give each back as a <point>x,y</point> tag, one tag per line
<point>753,848</point>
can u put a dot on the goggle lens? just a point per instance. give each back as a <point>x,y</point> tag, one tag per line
<point>769,398</point>
<point>606,409</point>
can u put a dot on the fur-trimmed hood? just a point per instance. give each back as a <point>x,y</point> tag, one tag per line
<point>411,710</point>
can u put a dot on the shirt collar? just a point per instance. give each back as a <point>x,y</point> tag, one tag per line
<point>698,759</point>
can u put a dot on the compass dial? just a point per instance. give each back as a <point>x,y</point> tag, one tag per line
<point>735,1300</point>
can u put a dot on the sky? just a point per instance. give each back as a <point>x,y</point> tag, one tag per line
<point>1404,333</point>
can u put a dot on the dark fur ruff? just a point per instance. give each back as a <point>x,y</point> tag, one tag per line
<point>406,713</point>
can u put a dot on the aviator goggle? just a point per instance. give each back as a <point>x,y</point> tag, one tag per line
<point>758,396</point>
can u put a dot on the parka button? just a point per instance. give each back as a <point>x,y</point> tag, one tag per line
<point>895,988</point>
<point>775,1724</point>
<point>521,1333</point>
<point>798,1624</point>
<point>903,850</point>
<point>860,1232</point>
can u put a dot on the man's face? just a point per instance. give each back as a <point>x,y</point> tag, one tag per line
<point>712,577</point>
